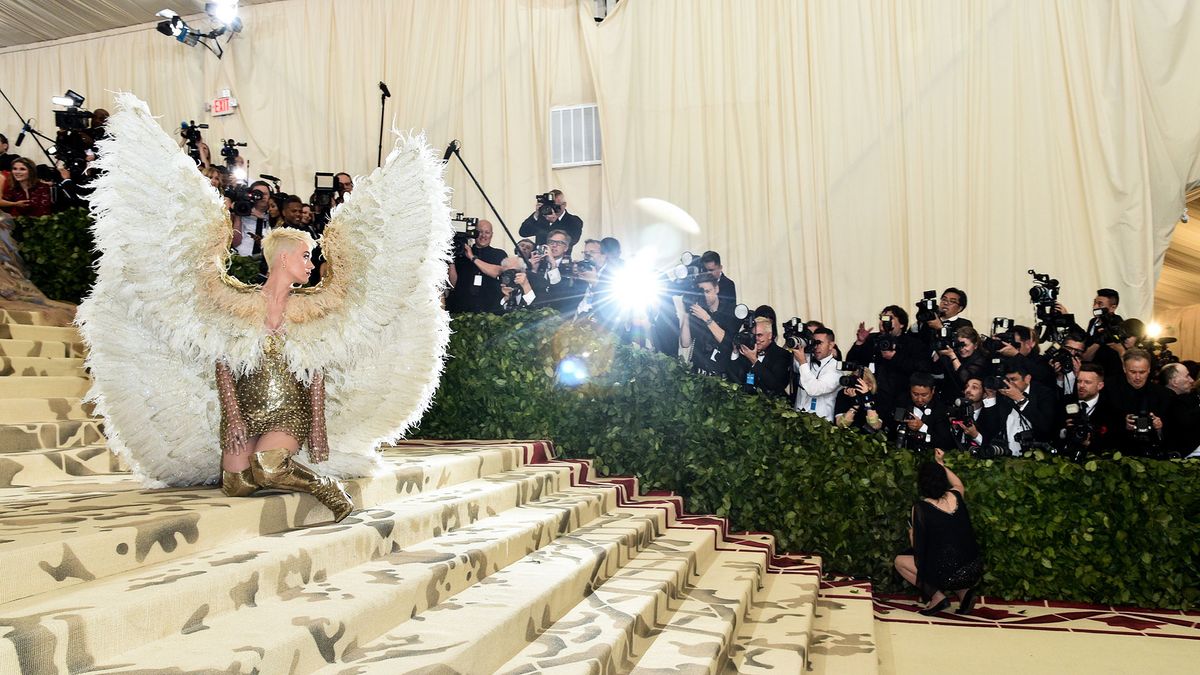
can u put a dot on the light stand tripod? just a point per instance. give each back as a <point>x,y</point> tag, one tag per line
<point>26,128</point>
<point>384,95</point>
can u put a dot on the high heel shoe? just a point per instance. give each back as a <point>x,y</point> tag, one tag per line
<point>938,608</point>
<point>968,601</point>
<point>276,469</point>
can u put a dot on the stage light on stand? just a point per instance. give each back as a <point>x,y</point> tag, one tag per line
<point>224,12</point>
<point>637,285</point>
<point>1154,330</point>
<point>71,99</point>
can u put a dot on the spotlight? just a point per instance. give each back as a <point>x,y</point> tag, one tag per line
<point>637,285</point>
<point>1154,330</point>
<point>224,12</point>
<point>239,173</point>
<point>71,99</point>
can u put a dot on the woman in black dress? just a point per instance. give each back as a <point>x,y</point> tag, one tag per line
<point>944,557</point>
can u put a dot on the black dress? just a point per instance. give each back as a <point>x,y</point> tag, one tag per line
<point>944,545</point>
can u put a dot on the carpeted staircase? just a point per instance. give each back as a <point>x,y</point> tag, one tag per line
<point>464,557</point>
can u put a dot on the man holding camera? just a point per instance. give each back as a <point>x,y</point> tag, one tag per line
<point>764,367</point>
<point>1091,419</point>
<point>922,422</point>
<point>707,328</point>
<point>1028,408</point>
<point>819,375</point>
<point>516,292</point>
<point>475,274</point>
<point>983,421</point>
<point>1027,347</point>
<point>255,225</point>
<point>1142,404</point>
<point>554,275</point>
<point>1103,332</point>
<point>892,353</point>
<point>551,214</point>
<point>1074,345</point>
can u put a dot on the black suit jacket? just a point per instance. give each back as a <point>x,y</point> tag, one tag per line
<point>937,422</point>
<point>989,424</point>
<point>771,375</point>
<point>727,292</point>
<point>1038,411</point>
<point>537,227</point>
<point>1106,420</point>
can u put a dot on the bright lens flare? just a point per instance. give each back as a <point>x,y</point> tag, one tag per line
<point>239,173</point>
<point>1154,330</point>
<point>572,372</point>
<point>636,286</point>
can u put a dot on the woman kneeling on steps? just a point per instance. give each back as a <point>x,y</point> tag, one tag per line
<point>944,557</point>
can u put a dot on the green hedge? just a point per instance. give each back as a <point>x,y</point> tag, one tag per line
<point>59,252</point>
<point>1122,531</point>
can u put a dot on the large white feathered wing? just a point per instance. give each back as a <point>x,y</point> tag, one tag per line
<point>152,329</point>
<point>381,334</point>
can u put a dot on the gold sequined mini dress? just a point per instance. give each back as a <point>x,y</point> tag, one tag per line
<point>271,398</point>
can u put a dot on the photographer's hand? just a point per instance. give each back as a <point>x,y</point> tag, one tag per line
<point>468,253</point>
<point>700,313</point>
<point>935,323</point>
<point>1129,422</point>
<point>888,355</point>
<point>1156,422</point>
<point>862,387</point>
<point>747,353</point>
<point>522,280</point>
<point>1008,351</point>
<point>800,356</point>
<point>914,423</point>
<point>861,335</point>
<point>971,431</point>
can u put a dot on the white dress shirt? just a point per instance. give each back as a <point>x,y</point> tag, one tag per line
<point>1015,424</point>
<point>818,386</point>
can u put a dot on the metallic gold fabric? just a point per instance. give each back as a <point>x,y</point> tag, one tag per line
<point>271,398</point>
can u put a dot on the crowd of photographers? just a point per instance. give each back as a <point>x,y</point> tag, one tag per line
<point>931,380</point>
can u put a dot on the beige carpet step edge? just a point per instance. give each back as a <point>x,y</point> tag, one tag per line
<point>17,331</point>
<point>115,526</point>
<point>615,625</point>
<point>700,634</point>
<point>778,628</point>
<point>844,632</point>
<point>507,610</point>
<point>54,435</point>
<point>43,466</point>
<point>23,316</point>
<point>384,563</point>
<point>34,366</point>
<point>22,411</point>
<point>50,386</point>
<point>33,348</point>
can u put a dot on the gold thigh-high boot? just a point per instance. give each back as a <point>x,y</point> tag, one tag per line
<point>238,483</point>
<point>277,470</point>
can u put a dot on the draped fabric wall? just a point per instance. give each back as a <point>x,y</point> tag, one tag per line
<point>840,155</point>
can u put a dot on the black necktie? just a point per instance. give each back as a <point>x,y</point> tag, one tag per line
<point>1086,410</point>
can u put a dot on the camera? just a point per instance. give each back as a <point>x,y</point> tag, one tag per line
<point>906,438</point>
<point>324,189</point>
<point>243,198</point>
<point>887,343</point>
<point>797,336</point>
<point>1105,327</point>
<point>229,150</point>
<point>546,204</point>
<point>946,339</point>
<point>1063,358</point>
<point>508,278</point>
<point>1002,335</point>
<point>961,412</point>
<point>583,267</point>
<point>993,450</point>
<point>885,323</point>
<point>469,234</point>
<point>851,372</point>
<point>1044,290</point>
<point>927,307</point>
<point>1159,351</point>
<point>1078,425</point>
<point>994,380</point>
<point>1143,425</point>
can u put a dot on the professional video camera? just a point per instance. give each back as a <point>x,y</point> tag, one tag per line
<point>1159,351</point>
<point>229,150</point>
<point>243,198</point>
<point>469,234</point>
<point>1052,325</point>
<point>1002,335</point>
<point>324,189</point>
<point>1105,327</point>
<point>190,131</point>
<point>927,307</point>
<point>797,336</point>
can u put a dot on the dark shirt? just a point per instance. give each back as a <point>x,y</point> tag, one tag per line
<point>562,291</point>
<point>769,374</point>
<point>39,198</point>
<point>727,291</point>
<point>1151,398</point>
<point>537,227</point>
<point>1184,423</point>
<point>708,354</point>
<point>469,295</point>
<point>892,374</point>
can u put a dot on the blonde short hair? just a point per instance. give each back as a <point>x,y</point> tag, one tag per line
<point>282,238</point>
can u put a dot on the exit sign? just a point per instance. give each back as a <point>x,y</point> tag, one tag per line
<point>223,105</point>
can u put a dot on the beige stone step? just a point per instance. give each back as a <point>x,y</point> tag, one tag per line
<point>50,435</point>
<point>32,410</point>
<point>50,386</point>
<point>20,316</point>
<point>26,366</point>
<point>844,632</point>
<point>49,350</point>
<point>17,331</point>
<point>24,469</point>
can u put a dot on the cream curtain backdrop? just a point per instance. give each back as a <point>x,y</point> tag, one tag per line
<point>305,74</point>
<point>840,155</point>
<point>846,155</point>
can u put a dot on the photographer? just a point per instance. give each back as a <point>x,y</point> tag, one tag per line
<point>855,405</point>
<point>475,274</point>
<point>255,225</point>
<point>1103,331</point>
<point>1027,346</point>
<point>765,367</point>
<point>922,421</point>
<point>1074,344</point>
<point>977,421</point>
<point>959,363</point>
<point>554,275</point>
<point>947,314</point>
<point>1028,408</point>
<point>600,264</point>
<point>707,328</point>
<point>1142,404</point>
<point>1184,423</point>
<point>819,375</point>
<point>1096,422</point>
<point>893,352</point>
<point>515,290</point>
<point>343,185</point>
<point>551,214</point>
<point>726,289</point>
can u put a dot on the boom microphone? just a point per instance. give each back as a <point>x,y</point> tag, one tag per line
<point>449,151</point>
<point>383,87</point>
<point>21,136</point>
<point>269,177</point>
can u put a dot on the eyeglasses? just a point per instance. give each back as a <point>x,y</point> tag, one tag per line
<point>557,242</point>
<point>950,301</point>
